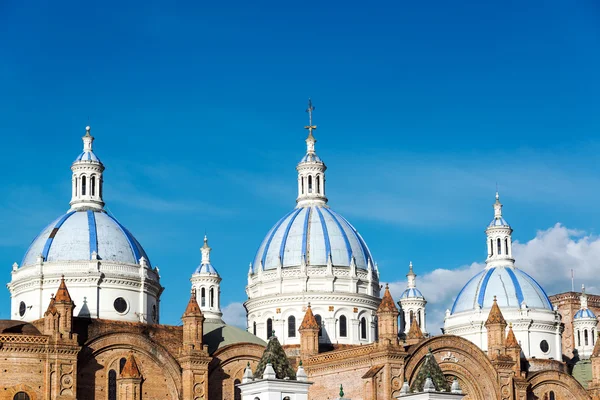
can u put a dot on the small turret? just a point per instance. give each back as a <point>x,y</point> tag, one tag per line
<point>387,319</point>
<point>309,334</point>
<point>193,325</point>
<point>207,283</point>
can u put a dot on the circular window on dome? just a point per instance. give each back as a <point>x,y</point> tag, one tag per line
<point>544,346</point>
<point>120,305</point>
<point>22,308</point>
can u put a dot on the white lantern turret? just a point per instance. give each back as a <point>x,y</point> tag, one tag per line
<point>499,239</point>
<point>87,178</point>
<point>207,283</point>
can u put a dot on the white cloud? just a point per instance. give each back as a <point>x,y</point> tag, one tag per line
<point>235,314</point>
<point>549,258</point>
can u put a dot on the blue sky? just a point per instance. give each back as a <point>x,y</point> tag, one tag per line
<point>198,114</point>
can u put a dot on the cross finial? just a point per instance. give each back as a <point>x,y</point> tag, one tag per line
<point>309,110</point>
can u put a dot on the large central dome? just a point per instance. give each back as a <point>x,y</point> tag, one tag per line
<point>312,234</point>
<point>313,256</point>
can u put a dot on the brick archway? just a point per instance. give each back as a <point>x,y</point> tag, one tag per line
<point>563,385</point>
<point>100,351</point>
<point>460,358</point>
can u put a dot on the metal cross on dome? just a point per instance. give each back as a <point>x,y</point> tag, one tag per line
<point>309,110</point>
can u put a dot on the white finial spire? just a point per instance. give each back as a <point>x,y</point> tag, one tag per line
<point>583,298</point>
<point>411,277</point>
<point>205,250</point>
<point>311,170</point>
<point>88,139</point>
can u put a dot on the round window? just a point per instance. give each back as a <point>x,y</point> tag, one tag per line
<point>120,305</point>
<point>544,346</point>
<point>22,308</point>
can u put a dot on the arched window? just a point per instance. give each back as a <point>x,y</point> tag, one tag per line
<point>499,246</point>
<point>112,385</point>
<point>506,245</point>
<point>122,362</point>
<point>551,396</point>
<point>21,396</point>
<point>76,180</point>
<point>419,318</point>
<point>363,328</point>
<point>302,184</point>
<point>491,247</point>
<point>269,328</point>
<point>310,184</point>
<point>93,185</point>
<point>585,337</point>
<point>202,297</point>
<point>292,326</point>
<point>343,326</point>
<point>254,328</point>
<point>237,392</point>
<point>318,184</point>
<point>211,297</point>
<point>578,338</point>
<point>83,185</point>
<point>410,318</point>
<point>318,319</point>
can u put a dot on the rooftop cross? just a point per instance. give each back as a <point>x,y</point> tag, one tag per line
<point>309,110</point>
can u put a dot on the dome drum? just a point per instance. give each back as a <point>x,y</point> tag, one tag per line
<point>340,316</point>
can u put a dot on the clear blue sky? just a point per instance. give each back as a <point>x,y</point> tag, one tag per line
<point>198,113</point>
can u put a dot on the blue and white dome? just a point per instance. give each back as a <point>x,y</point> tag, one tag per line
<point>206,269</point>
<point>87,156</point>
<point>499,221</point>
<point>411,293</point>
<point>312,233</point>
<point>311,158</point>
<point>510,285</point>
<point>77,234</point>
<point>584,313</point>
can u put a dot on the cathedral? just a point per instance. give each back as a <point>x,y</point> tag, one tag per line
<point>85,317</point>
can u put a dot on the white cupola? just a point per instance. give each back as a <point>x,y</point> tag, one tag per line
<point>311,170</point>
<point>207,283</point>
<point>87,178</point>
<point>412,303</point>
<point>584,327</point>
<point>499,239</point>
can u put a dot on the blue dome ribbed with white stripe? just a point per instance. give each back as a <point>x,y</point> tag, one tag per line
<point>584,313</point>
<point>312,233</point>
<point>87,156</point>
<point>411,293</point>
<point>77,234</point>
<point>510,285</point>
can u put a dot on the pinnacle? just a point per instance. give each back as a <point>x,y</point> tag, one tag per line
<point>192,309</point>
<point>495,316</point>
<point>415,331</point>
<point>387,303</point>
<point>62,294</point>
<point>511,340</point>
<point>309,321</point>
<point>130,369</point>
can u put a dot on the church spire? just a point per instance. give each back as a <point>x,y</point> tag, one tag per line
<point>311,169</point>
<point>499,239</point>
<point>86,192</point>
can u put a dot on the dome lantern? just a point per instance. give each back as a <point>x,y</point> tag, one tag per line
<point>311,170</point>
<point>499,239</point>
<point>87,178</point>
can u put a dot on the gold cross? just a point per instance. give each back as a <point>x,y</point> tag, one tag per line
<point>309,110</point>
